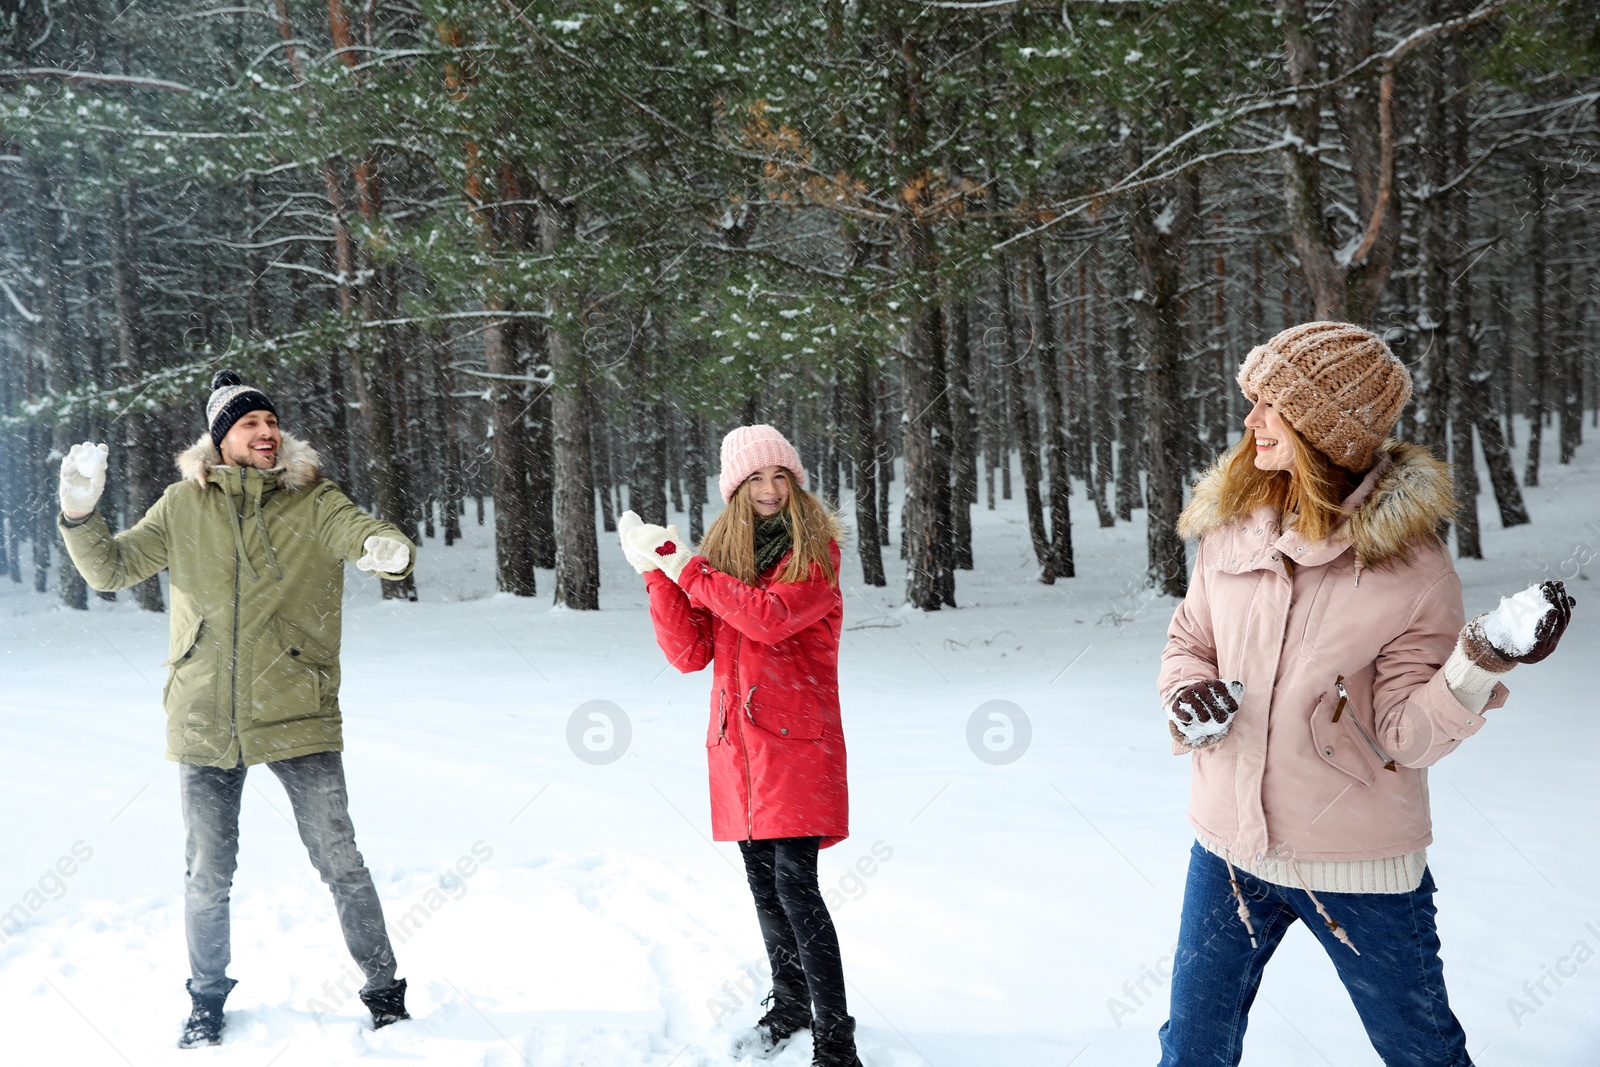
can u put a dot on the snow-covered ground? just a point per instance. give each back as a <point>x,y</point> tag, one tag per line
<point>556,911</point>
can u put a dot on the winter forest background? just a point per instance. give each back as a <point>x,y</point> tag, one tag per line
<point>514,267</point>
<point>548,253</point>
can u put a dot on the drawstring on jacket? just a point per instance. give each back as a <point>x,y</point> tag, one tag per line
<point>238,541</point>
<point>272,556</point>
<point>1333,924</point>
<point>1243,909</point>
<point>261,528</point>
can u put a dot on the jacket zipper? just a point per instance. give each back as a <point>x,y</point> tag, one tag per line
<point>233,673</point>
<point>722,714</point>
<point>1344,699</point>
<point>744,754</point>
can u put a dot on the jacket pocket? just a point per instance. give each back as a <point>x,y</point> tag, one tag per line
<point>185,636</point>
<point>290,679</point>
<point>190,695</point>
<point>791,719</point>
<point>1343,741</point>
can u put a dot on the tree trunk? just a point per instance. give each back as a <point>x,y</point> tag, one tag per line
<point>926,530</point>
<point>541,466</point>
<point>930,579</point>
<point>695,462</point>
<point>1569,384</point>
<point>884,455</point>
<point>1160,251</point>
<point>1130,413</point>
<point>1022,428</point>
<point>142,487</point>
<point>513,537</point>
<point>963,432</point>
<point>864,453</point>
<point>1345,282</point>
<point>377,373</point>
<point>1470,387</point>
<point>647,491</point>
<point>1103,405</point>
<point>50,340</point>
<point>451,489</point>
<point>1539,351</point>
<point>1059,563</point>
<point>1496,455</point>
<point>577,546</point>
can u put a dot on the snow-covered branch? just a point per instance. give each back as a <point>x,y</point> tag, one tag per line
<point>89,77</point>
<point>16,302</point>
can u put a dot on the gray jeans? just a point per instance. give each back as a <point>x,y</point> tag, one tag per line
<point>316,789</point>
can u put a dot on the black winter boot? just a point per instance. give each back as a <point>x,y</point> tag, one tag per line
<point>387,1005</point>
<point>784,1018</point>
<point>834,1043</point>
<point>204,1024</point>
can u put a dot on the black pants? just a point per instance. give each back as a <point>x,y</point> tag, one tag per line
<point>802,945</point>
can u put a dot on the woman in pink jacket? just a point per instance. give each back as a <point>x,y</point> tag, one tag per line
<point>762,603</point>
<point>1318,665</point>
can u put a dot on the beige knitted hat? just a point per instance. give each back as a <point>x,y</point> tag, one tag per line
<point>1337,384</point>
<point>747,449</point>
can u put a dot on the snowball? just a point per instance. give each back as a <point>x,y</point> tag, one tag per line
<point>1196,729</point>
<point>1512,627</point>
<point>91,461</point>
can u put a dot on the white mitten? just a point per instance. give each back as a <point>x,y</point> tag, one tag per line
<point>664,547</point>
<point>83,479</point>
<point>627,525</point>
<point>384,555</point>
<point>673,554</point>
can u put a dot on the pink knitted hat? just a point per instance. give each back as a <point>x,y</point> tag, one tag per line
<point>749,448</point>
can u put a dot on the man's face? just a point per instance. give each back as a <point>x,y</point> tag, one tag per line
<point>253,442</point>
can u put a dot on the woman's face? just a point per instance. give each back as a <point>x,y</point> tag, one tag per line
<point>769,491</point>
<point>1273,451</point>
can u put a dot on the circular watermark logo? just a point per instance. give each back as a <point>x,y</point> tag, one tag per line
<point>598,732</point>
<point>999,732</point>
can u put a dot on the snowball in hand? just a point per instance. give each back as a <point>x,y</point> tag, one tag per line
<point>1202,727</point>
<point>91,459</point>
<point>1198,729</point>
<point>1512,627</point>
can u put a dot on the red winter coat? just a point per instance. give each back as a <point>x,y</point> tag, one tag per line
<point>775,746</point>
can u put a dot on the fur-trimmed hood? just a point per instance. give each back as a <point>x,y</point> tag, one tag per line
<point>1401,503</point>
<point>299,466</point>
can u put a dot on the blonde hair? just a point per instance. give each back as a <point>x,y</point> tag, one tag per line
<point>1310,497</point>
<point>730,543</point>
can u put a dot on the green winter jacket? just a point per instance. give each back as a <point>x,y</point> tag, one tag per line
<point>256,560</point>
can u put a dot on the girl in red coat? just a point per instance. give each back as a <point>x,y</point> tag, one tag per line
<point>761,603</point>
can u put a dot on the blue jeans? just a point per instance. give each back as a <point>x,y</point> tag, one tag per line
<point>316,789</point>
<point>1397,983</point>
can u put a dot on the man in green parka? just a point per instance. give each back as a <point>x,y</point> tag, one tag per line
<point>254,540</point>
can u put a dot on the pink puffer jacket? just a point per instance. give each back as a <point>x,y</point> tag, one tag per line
<point>1345,704</point>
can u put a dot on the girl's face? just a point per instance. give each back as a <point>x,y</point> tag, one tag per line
<point>769,491</point>
<point>1273,451</point>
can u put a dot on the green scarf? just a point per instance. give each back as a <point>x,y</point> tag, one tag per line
<point>773,539</point>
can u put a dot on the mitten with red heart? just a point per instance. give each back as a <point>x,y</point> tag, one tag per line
<point>628,526</point>
<point>664,547</point>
